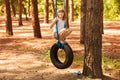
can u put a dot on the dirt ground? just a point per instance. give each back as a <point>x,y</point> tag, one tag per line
<point>21,56</point>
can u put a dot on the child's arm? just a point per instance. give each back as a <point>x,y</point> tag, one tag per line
<point>53,23</point>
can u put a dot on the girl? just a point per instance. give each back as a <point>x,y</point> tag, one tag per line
<point>62,31</point>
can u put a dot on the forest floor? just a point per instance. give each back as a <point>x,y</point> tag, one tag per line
<point>23,57</point>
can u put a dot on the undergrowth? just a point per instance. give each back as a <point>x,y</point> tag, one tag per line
<point>107,63</point>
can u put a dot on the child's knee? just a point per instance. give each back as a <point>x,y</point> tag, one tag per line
<point>69,29</point>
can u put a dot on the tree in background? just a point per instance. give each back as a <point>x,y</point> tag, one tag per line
<point>13,8</point>
<point>46,12</point>
<point>66,11</point>
<point>53,8</point>
<point>8,19</point>
<point>20,12</point>
<point>93,39</point>
<point>71,10</point>
<point>25,11</point>
<point>35,19</point>
<point>29,8</point>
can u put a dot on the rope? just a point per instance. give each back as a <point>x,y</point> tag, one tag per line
<point>56,3</point>
<point>58,42</point>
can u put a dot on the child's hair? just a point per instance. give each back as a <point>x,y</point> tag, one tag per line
<point>62,11</point>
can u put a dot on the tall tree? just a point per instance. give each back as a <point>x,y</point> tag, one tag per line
<point>29,7</point>
<point>35,19</point>
<point>53,8</point>
<point>46,11</point>
<point>25,11</point>
<point>93,39</point>
<point>20,12</point>
<point>71,10</point>
<point>83,21</point>
<point>8,19</point>
<point>13,8</point>
<point>66,11</point>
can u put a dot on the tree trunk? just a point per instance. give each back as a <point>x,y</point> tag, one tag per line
<point>20,12</point>
<point>13,10</point>
<point>102,27</point>
<point>83,21</point>
<point>53,8</point>
<point>35,19</point>
<point>93,39</point>
<point>8,19</point>
<point>25,12</point>
<point>46,12</point>
<point>71,10</point>
<point>29,8</point>
<point>66,11</point>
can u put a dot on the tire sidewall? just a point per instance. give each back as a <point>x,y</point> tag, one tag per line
<point>54,57</point>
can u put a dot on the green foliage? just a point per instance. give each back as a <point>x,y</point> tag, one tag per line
<point>112,9</point>
<point>46,53</point>
<point>41,4</point>
<point>76,9</point>
<point>1,7</point>
<point>25,3</point>
<point>60,4</point>
<point>107,63</point>
<point>41,8</point>
<point>1,2</point>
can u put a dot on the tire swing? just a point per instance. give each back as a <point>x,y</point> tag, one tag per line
<point>54,52</point>
<point>60,50</point>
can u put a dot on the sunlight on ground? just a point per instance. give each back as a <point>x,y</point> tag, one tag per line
<point>24,35</point>
<point>3,24</point>
<point>112,32</point>
<point>20,55</point>
<point>23,61</point>
<point>2,31</point>
<point>44,25</point>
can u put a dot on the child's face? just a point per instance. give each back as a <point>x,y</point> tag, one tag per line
<point>60,14</point>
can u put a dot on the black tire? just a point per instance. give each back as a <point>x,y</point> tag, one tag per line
<point>68,59</point>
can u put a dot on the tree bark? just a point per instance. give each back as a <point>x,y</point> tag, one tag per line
<point>66,11</point>
<point>13,10</point>
<point>25,11</point>
<point>8,19</point>
<point>46,11</point>
<point>20,12</point>
<point>93,39</point>
<point>29,8</point>
<point>53,9</point>
<point>83,21</point>
<point>35,19</point>
<point>102,27</point>
<point>71,10</point>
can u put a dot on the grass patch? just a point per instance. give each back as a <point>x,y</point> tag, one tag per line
<point>46,54</point>
<point>110,64</point>
<point>78,60</point>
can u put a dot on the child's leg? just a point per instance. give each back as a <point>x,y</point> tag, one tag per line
<point>61,34</point>
<point>66,33</point>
